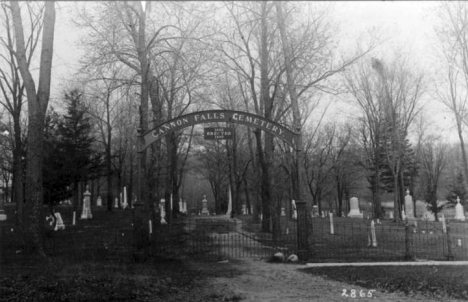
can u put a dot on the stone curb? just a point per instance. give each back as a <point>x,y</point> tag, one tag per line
<point>412,263</point>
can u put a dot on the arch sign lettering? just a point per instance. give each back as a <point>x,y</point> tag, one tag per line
<point>210,116</point>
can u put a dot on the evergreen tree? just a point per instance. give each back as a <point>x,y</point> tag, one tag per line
<point>76,140</point>
<point>457,188</point>
<point>54,182</point>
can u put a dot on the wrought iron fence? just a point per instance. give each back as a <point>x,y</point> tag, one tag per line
<point>217,239</point>
<point>355,240</point>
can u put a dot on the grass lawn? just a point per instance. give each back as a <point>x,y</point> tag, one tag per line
<point>93,261</point>
<point>437,282</point>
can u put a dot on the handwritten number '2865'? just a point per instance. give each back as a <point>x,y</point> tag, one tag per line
<point>354,294</point>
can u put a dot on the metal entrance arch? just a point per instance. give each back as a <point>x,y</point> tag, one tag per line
<point>236,117</point>
<point>211,116</point>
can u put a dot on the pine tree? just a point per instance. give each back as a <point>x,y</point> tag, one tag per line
<point>457,189</point>
<point>76,140</point>
<point>54,171</point>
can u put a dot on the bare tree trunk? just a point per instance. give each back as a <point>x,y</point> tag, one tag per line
<point>37,106</point>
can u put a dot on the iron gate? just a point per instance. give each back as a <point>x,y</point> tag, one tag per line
<point>217,239</point>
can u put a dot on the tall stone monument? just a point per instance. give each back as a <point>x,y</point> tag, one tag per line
<point>205,206</point>
<point>86,213</point>
<point>124,198</point>
<point>229,210</point>
<point>294,216</point>
<point>162,209</point>
<point>459,211</point>
<point>409,206</point>
<point>354,211</point>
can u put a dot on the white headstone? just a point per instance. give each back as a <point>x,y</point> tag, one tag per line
<point>354,208</point>
<point>294,210</point>
<point>459,211</point>
<point>86,213</point>
<point>116,203</point>
<point>162,209</point>
<point>184,206</point>
<point>229,210</point>
<point>409,206</point>
<point>283,212</point>
<point>125,202</point>
<point>428,216</point>
<point>74,218</point>
<point>391,214</point>
<point>444,225</point>
<point>99,201</point>
<point>373,236</point>
<point>315,212</point>
<point>205,206</point>
<point>244,209</point>
<point>181,206</point>
<point>59,225</point>
<point>332,229</point>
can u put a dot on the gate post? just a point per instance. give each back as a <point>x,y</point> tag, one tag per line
<point>302,234</point>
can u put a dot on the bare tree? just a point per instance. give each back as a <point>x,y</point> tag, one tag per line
<point>389,98</point>
<point>451,90</point>
<point>12,87</point>
<point>433,161</point>
<point>37,107</point>
<point>400,93</point>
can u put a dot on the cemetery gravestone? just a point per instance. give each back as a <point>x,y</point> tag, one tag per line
<point>229,210</point>
<point>428,216</point>
<point>283,212</point>
<point>294,210</point>
<point>354,208</point>
<point>315,211</point>
<point>162,208</point>
<point>409,206</point>
<point>205,206</point>
<point>59,225</point>
<point>459,211</point>
<point>99,202</point>
<point>244,209</point>
<point>124,198</point>
<point>86,213</point>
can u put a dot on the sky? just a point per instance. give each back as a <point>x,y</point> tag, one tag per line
<point>407,24</point>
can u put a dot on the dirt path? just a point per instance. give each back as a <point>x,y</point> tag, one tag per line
<point>260,281</point>
<point>254,280</point>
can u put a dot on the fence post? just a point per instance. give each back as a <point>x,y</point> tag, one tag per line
<point>449,243</point>
<point>141,236</point>
<point>302,232</point>
<point>408,255</point>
